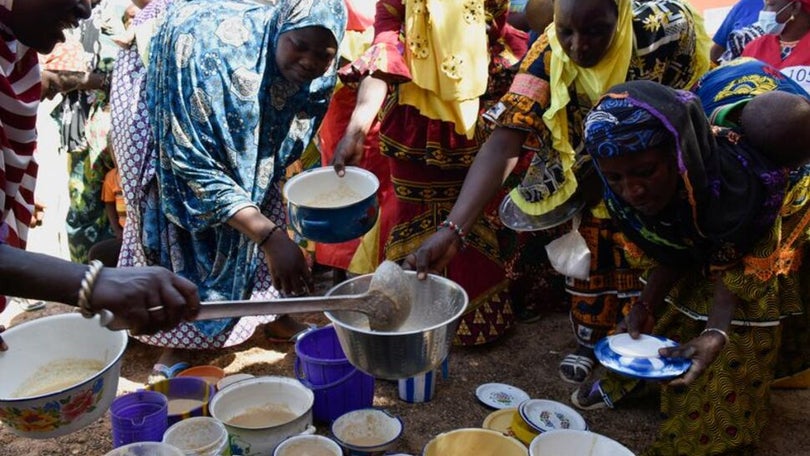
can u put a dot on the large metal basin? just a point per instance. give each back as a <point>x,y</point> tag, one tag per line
<point>420,345</point>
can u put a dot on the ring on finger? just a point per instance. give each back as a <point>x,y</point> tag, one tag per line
<point>154,309</point>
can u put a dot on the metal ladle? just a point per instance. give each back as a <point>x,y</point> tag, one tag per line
<point>387,303</point>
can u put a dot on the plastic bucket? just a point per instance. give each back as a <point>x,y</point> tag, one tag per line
<point>200,436</point>
<point>141,416</point>
<point>322,366</point>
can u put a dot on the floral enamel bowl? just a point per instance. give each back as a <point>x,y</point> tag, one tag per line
<point>60,374</point>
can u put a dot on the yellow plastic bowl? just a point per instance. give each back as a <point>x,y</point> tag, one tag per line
<point>522,430</point>
<point>474,441</point>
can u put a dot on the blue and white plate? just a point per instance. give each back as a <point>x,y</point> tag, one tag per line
<point>545,415</point>
<point>500,395</point>
<point>638,358</point>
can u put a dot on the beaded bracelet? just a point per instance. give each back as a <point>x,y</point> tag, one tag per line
<point>455,228</point>
<point>86,289</point>
<point>267,236</point>
<point>718,331</point>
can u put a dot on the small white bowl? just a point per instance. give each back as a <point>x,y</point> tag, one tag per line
<point>231,379</point>
<point>146,449</point>
<point>257,393</point>
<point>49,341</point>
<point>308,444</point>
<point>367,431</point>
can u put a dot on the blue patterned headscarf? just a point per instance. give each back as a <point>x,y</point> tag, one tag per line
<point>226,125</point>
<point>223,116</point>
<point>729,193</point>
<point>618,127</point>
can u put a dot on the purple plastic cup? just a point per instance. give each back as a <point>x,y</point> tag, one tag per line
<point>194,393</point>
<point>141,416</point>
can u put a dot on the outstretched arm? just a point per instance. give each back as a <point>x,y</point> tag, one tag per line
<point>288,267</point>
<point>491,166</point>
<point>129,293</point>
<point>370,97</point>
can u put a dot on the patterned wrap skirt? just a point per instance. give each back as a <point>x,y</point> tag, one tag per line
<point>428,164</point>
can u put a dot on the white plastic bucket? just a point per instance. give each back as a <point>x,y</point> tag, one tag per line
<point>199,436</point>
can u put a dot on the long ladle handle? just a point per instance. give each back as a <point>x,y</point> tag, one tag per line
<point>227,309</point>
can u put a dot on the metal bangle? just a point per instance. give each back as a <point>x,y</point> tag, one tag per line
<point>718,331</point>
<point>86,288</point>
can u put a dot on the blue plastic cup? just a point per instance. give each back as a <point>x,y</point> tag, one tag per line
<point>141,416</point>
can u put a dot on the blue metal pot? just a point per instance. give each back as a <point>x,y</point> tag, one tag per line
<point>323,207</point>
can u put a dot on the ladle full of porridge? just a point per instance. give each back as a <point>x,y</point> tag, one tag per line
<point>387,303</point>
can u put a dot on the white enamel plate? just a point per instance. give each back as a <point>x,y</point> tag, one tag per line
<point>500,395</point>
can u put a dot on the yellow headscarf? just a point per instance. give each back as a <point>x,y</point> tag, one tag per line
<point>446,50</point>
<point>592,82</point>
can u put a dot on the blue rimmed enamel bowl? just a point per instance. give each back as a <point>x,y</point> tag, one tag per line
<point>323,207</point>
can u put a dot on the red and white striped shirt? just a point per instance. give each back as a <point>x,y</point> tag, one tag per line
<point>19,99</point>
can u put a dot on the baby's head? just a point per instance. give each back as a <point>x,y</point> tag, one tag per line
<point>778,124</point>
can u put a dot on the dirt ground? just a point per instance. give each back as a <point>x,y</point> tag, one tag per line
<point>527,358</point>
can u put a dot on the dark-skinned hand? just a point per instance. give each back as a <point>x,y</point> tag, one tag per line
<point>49,86</point>
<point>640,320</point>
<point>702,350</point>
<point>349,150</point>
<point>434,254</point>
<point>145,300</point>
<point>288,267</point>
<point>38,216</point>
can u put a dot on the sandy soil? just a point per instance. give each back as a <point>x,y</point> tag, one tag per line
<point>527,358</point>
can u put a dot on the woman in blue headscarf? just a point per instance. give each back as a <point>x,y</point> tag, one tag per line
<point>235,91</point>
<point>721,228</point>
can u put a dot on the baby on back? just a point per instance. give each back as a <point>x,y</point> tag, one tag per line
<point>778,124</point>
